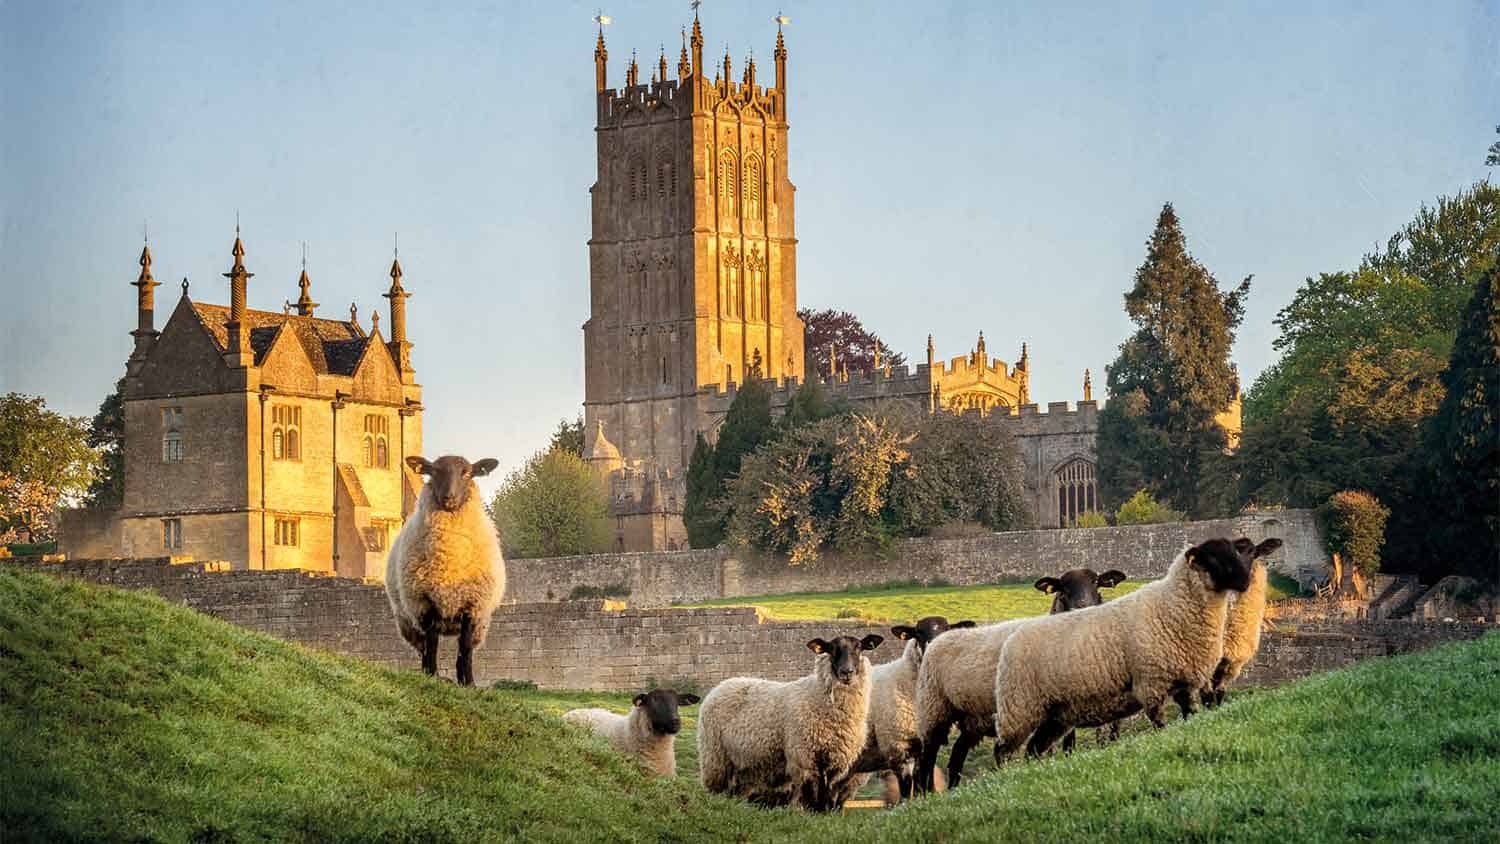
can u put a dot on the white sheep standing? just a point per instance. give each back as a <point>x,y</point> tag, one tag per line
<point>1075,590</point>
<point>1242,626</point>
<point>1096,665</point>
<point>648,733</point>
<point>894,745</point>
<point>778,743</point>
<point>956,685</point>
<point>445,574</point>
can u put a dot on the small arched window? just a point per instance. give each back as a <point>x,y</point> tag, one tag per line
<point>382,454</point>
<point>369,451</point>
<point>277,445</point>
<point>293,448</point>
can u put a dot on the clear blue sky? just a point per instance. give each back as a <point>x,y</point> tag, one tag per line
<point>993,166</point>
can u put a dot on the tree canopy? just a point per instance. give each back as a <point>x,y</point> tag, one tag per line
<point>845,334</point>
<point>553,506</point>
<point>44,460</point>
<point>568,436</point>
<point>1172,377</point>
<point>107,437</point>
<point>747,425</point>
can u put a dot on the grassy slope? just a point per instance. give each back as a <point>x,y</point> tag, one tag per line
<point>122,718</point>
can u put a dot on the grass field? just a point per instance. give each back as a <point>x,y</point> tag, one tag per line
<point>123,717</point>
<point>902,603</point>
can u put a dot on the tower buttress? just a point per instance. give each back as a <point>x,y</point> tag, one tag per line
<point>1088,387</point>
<point>697,43</point>
<point>684,67</point>
<point>145,332</point>
<point>238,355</point>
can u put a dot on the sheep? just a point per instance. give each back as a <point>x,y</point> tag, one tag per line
<point>445,574</point>
<point>1099,664</point>
<point>893,744</point>
<point>1074,590</point>
<point>648,733</point>
<point>778,743</point>
<point>955,685</point>
<point>1242,627</point>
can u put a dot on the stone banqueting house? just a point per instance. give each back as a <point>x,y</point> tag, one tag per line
<point>265,439</point>
<point>693,284</point>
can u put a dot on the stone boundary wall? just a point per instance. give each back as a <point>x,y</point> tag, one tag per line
<point>680,577</point>
<point>588,645</point>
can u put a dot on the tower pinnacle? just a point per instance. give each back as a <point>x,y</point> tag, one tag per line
<point>400,348</point>
<point>145,332</point>
<point>239,332</point>
<point>305,304</point>
<point>601,56</point>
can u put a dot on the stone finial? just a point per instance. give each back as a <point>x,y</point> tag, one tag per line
<point>239,333</point>
<point>684,67</point>
<point>1025,358</point>
<point>728,68</point>
<point>601,62</point>
<point>877,354</point>
<point>145,333</point>
<point>661,67</point>
<point>696,43</point>
<point>1088,387</point>
<point>374,320</point>
<point>780,54</point>
<point>354,314</point>
<point>633,72</point>
<point>750,71</point>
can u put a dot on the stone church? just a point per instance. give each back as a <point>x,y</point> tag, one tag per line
<point>269,439</point>
<point>693,283</point>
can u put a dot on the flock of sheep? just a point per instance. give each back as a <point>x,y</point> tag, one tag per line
<point>815,741</point>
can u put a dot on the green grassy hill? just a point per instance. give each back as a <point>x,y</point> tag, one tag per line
<point>125,718</point>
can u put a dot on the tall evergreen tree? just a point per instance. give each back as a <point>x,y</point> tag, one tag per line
<point>107,436</point>
<point>746,426</point>
<point>1462,443</point>
<point>1172,377</point>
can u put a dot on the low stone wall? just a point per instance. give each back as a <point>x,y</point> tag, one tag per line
<point>587,645</point>
<point>663,579</point>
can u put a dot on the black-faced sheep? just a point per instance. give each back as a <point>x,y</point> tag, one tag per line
<point>648,733</point>
<point>894,745</point>
<point>1243,625</point>
<point>1075,590</point>
<point>1096,665</point>
<point>777,743</point>
<point>445,574</point>
<point>956,685</point>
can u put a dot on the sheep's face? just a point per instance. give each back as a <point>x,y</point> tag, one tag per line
<point>1227,571</point>
<point>846,658</point>
<point>1078,588</point>
<point>660,706</point>
<point>924,631</point>
<point>1250,552</point>
<point>450,478</point>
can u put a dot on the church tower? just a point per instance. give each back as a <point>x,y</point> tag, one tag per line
<point>692,259</point>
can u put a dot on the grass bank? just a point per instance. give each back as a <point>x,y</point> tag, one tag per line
<point>125,718</point>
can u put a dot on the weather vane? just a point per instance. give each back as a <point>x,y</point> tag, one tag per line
<point>695,4</point>
<point>603,20</point>
<point>781,20</point>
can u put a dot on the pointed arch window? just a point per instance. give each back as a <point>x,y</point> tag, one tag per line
<point>286,428</point>
<point>376,448</point>
<point>1077,491</point>
<point>728,184</point>
<point>752,187</point>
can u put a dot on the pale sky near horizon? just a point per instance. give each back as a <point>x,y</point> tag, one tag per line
<point>960,167</point>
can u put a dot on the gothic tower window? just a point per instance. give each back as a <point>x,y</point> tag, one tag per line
<point>666,180</point>
<point>755,276</point>
<point>1077,491</point>
<point>752,188</point>
<point>727,184</point>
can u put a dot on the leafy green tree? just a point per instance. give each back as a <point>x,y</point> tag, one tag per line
<point>1172,378</point>
<point>964,469</point>
<point>568,436</point>
<point>809,404</point>
<point>1142,509</point>
<point>44,460</point>
<point>553,506</point>
<point>1493,158</point>
<point>107,437</point>
<point>1462,445</point>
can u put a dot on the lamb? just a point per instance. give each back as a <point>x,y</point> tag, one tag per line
<point>648,733</point>
<point>777,743</point>
<point>445,574</point>
<point>1074,590</point>
<point>1096,665</point>
<point>1242,627</point>
<point>956,685</point>
<point>894,744</point>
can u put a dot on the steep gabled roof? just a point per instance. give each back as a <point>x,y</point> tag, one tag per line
<point>333,346</point>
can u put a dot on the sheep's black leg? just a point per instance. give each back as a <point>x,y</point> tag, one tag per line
<point>1186,701</point>
<point>429,641</point>
<point>1069,740</point>
<point>1044,737</point>
<point>905,782</point>
<point>466,649</point>
<point>931,744</point>
<point>961,748</point>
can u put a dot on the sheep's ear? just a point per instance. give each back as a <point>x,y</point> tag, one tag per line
<point>1048,585</point>
<point>419,465</point>
<point>640,700</point>
<point>959,625</point>
<point>818,646</point>
<point>1113,577</point>
<point>903,632</point>
<point>871,642</point>
<point>687,700</point>
<point>483,467</point>
<point>1266,547</point>
<point>1243,546</point>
